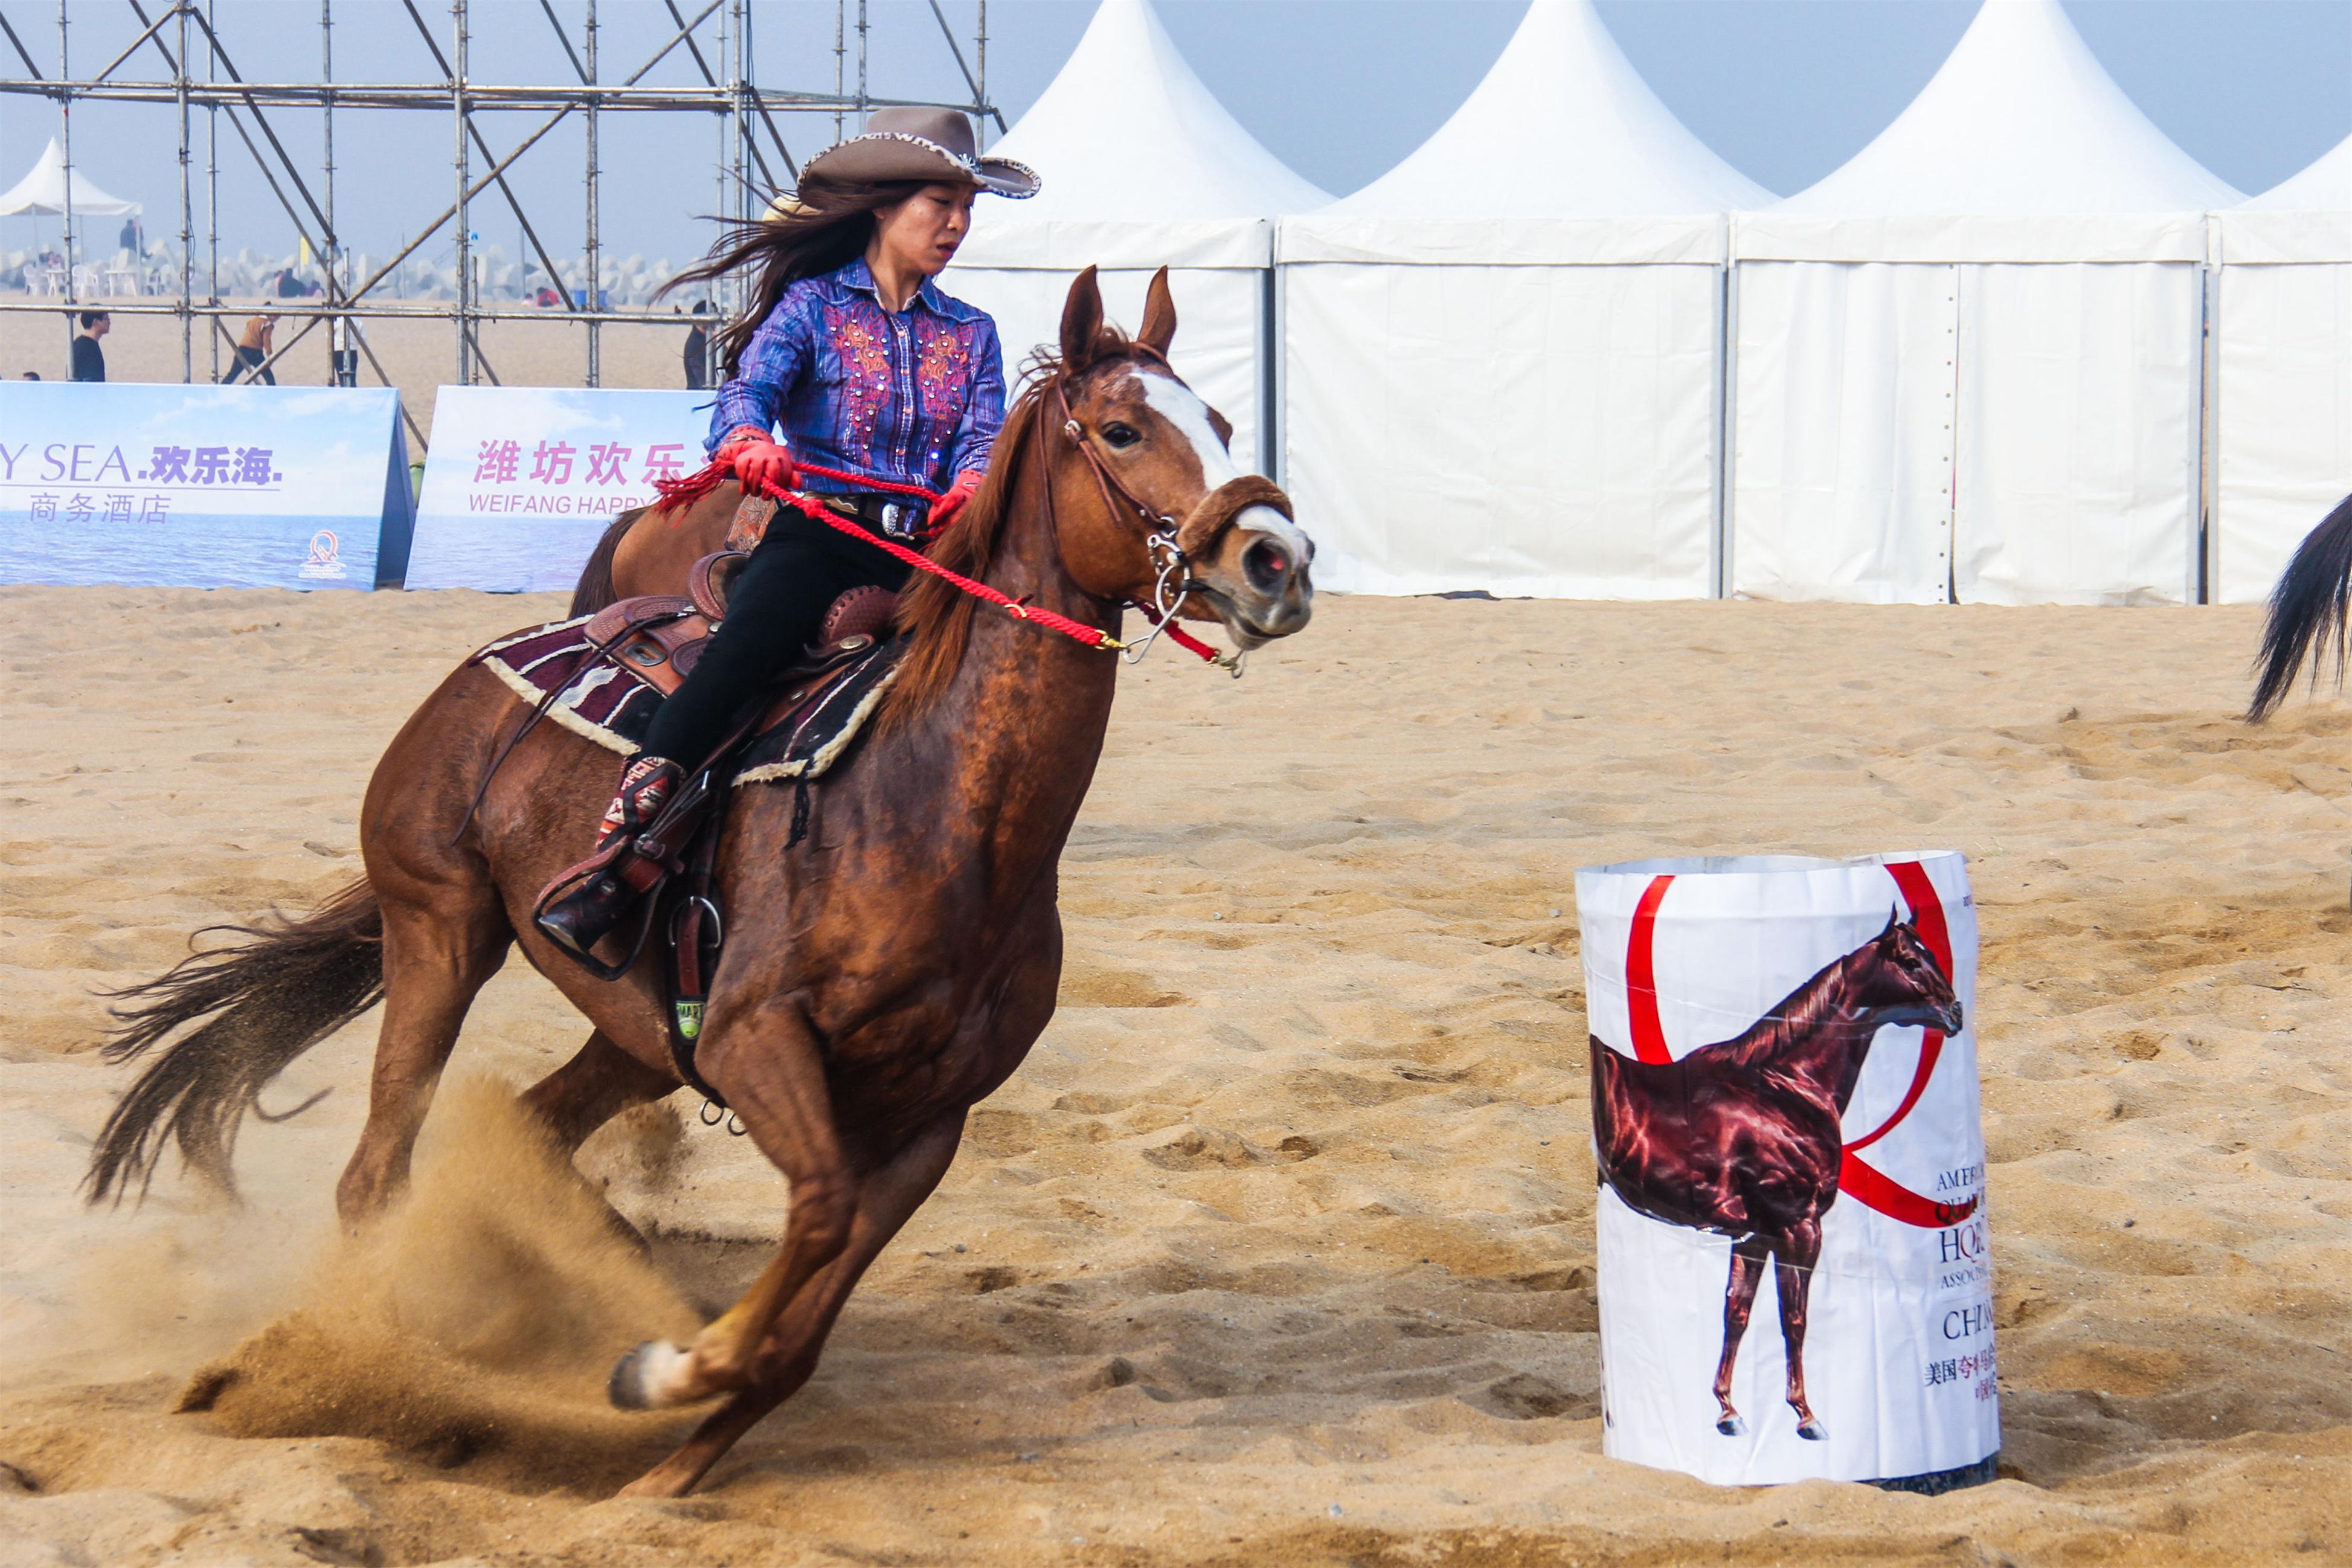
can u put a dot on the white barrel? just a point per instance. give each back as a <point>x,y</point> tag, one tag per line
<point>1785,1110</point>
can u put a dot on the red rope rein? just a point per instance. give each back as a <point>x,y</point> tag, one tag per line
<point>683,492</point>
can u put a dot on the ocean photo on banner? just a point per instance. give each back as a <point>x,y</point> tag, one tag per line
<point>201,487</point>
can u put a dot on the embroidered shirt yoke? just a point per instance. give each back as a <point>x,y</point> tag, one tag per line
<point>915,398</point>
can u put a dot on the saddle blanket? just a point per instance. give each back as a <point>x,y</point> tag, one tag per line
<point>806,730</point>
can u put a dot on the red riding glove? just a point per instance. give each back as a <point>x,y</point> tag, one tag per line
<point>758,461</point>
<point>950,507</point>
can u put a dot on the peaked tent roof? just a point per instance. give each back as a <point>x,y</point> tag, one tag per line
<point>2304,219</point>
<point>2325,186</point>
<point>2022,122</point>
<point>1561,154</point>
<point>1128,131</point>
<point>1561,126</point>
<point>2022,118</point>
<point>43,191</point>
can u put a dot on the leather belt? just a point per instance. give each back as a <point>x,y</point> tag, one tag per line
<point>893,517</point>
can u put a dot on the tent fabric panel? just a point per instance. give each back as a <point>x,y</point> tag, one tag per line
<point>1527,431</point>
<point>1841,478</point>
<point>1219,328</point>
<point>2283,238</point>
<point>1780,235</point>
<point>2284,417</point>
<point>2076,454</point>
<point>1014,239</point>
<point>1501,241</point>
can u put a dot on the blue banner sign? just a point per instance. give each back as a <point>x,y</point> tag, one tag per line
<point>522,481</point>
<point>201,487</point>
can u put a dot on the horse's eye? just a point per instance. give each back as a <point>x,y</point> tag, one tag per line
<point>1121,436</point>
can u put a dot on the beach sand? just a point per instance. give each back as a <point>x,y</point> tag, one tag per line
<point>1279,1248</point>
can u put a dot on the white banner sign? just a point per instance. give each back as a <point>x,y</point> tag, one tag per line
<point>521,481</point>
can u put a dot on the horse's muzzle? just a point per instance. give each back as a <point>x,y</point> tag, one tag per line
<point>1260,583</point>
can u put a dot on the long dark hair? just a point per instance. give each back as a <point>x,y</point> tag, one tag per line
<point>829,226</point>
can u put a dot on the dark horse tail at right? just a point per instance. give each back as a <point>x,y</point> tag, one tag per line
<point>256,1004</point>
<point>2311,606</point>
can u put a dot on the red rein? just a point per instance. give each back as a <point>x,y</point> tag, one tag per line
<point>681,493</point>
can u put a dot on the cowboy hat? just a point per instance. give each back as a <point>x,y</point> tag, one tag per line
<point>933,145</point>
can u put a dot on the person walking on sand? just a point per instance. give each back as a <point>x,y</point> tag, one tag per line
<point>253,353</point>
<point>88,359</point>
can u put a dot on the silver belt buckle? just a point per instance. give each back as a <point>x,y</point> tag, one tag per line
<point>897,521</point>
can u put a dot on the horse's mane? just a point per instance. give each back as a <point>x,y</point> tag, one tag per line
<point>934,616</point>
<point>1798,1017</point>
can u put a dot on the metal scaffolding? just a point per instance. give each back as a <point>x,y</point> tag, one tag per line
<point>203,75</point>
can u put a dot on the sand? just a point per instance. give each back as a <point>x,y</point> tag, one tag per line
<point>1279,1248</point>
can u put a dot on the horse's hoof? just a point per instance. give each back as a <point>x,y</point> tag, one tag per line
<point>642,1377</point>
<point>1733,1426</point>
<point>1812,1430</point>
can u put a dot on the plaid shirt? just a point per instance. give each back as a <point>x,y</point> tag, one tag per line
<point>915,398</point>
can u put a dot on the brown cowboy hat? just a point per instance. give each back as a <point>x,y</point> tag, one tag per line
<point>934,145</point>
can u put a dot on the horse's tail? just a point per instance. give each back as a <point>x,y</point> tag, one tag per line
<point>261,1002</point>
<point>2308,608</point>
<point>595,590</point>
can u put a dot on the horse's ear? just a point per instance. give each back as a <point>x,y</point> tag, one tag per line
<point>1081,323</point>
<point>1894,918</point>
<point>1158,315</point>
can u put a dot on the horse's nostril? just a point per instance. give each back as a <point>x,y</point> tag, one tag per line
<point>1266,562</point>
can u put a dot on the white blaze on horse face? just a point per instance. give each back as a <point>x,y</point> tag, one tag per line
<point>1183,408</point>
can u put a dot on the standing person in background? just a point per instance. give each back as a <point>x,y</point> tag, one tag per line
<point>252,351</point>
<point>130,238</point>
<point>88,359</point>
<point>697,350</point>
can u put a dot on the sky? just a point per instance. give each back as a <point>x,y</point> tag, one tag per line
<point>1341,89</point>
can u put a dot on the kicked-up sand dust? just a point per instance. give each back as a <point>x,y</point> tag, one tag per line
<point>1278,1249</point>
<point>481,1314</point>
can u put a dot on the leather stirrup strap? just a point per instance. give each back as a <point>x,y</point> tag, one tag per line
<point>696,933</point>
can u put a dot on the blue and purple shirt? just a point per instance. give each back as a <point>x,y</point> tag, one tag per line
<point>915,398</point>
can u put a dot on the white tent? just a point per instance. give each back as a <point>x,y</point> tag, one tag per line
<point>43,192</point>
<point>1142,168</point>
<point>1501,360</point>
<point>2283,403</point>
<point>1967,364</point>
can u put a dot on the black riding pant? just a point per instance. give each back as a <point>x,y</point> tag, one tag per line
<point>774,611</point>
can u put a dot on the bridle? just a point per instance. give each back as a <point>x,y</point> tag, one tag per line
<point>1169,544</point>
<point>1165,546</point>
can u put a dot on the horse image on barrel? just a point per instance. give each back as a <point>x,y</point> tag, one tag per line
<point>1744,1138</point>
<point>893,946</point>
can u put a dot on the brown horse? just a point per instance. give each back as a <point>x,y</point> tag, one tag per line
<point>879,976</point>
<point>1744,1138</point>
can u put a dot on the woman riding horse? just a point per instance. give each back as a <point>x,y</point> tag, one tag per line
<point>868,368</point>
